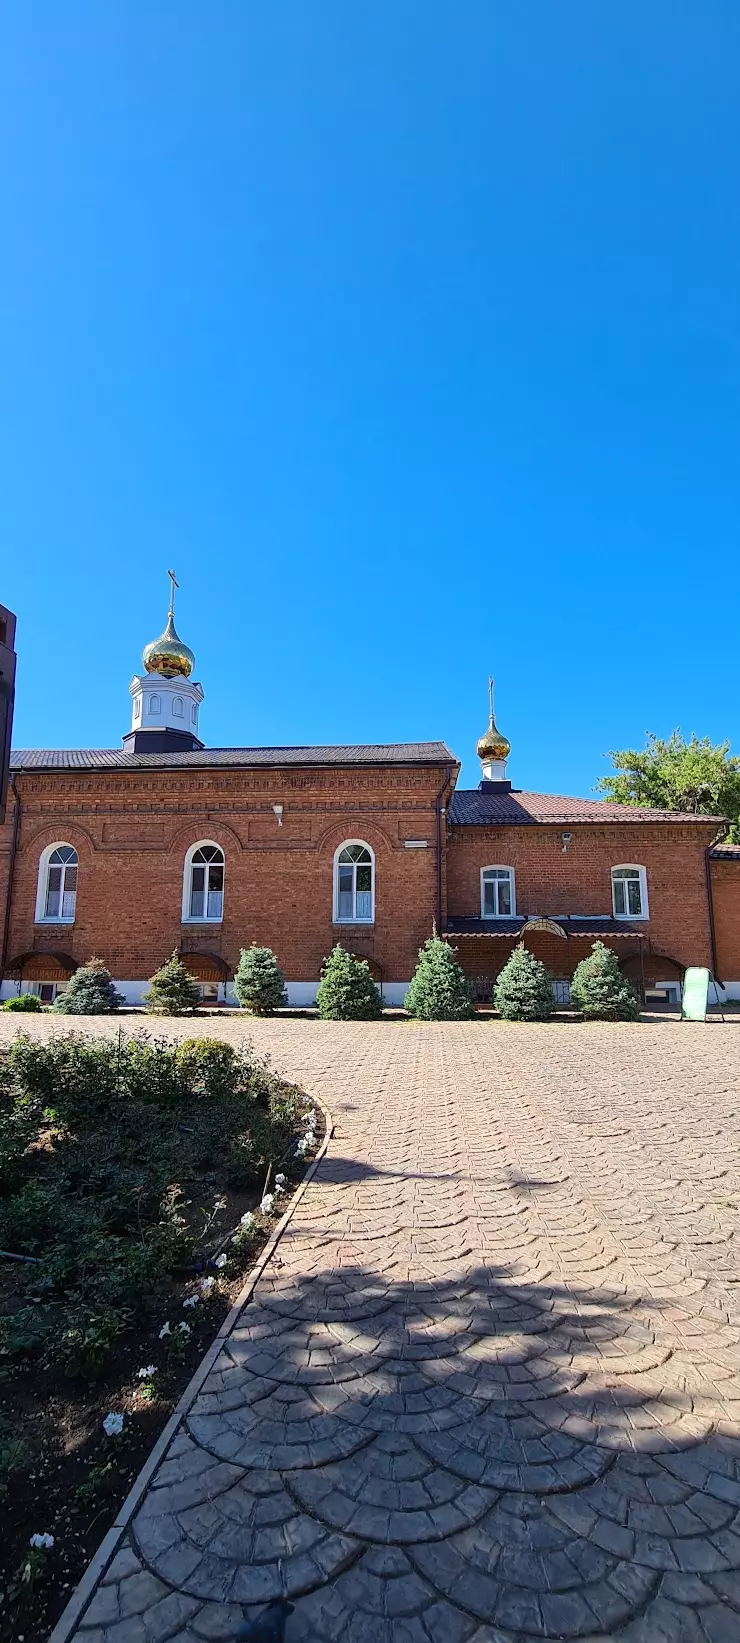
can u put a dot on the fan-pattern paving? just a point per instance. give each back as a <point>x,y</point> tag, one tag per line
<point>488,1388</point>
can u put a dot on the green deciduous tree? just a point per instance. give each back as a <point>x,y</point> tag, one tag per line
<point>259,982</point>
<point>172,991</point>
<point>523,991</point>
<point>90,991</point>
<point>438,990</point>
<point>347,991</point>
<point>600,990</point>
<point>697,776</point>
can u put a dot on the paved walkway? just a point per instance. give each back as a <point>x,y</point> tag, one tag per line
<point>488,1387</point>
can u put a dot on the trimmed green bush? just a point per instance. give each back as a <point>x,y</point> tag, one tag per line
<point>347,991</point>
<point>90,992</point>
<point>438,990</point>
<point>215,1068</point>
<point>523,991</point>
<point>600,990</point>
<point>25,1003</point>
<point>172,991</point>
<point>259,982</point>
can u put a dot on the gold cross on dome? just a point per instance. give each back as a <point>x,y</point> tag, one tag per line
<point>175,584</point>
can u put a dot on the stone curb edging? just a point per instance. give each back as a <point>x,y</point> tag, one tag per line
<point>71,1616</point>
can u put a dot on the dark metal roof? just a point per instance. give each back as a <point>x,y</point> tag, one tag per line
<point>592,924</point>
<point>468,807</point>
<point>726,852</point>
<point>239,758</point>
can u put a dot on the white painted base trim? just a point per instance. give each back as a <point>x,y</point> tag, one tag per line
<point>301,994</point>
<point>729,989</point>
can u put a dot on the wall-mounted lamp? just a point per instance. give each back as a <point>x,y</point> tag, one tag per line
<point>566,838</point>
<point>278,811</point>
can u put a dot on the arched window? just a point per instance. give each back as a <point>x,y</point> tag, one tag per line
<point>354,883</point>
<point>497,898</point>
<point>203,887</point>
<point>629,892</point>
<point>57,885</point>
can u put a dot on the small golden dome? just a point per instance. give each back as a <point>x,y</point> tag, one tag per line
<point>168,655</point>
<point>493,745</point>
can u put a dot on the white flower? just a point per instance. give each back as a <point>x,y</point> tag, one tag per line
<point>247,1220</point>
<point>165,1330</point>
<point>113,1425</point>
<point>146,1373</point>
<point>220,1260</point>
<point>184,1329</point>
<point>268,1204</point>
<point>42,1542</point>
<point>279,1190</point>
<point>302,1148</point>
<point>280,1180</point>
<point>309,1118</point>
<point>191,1300</point>
<point>206,1285</point>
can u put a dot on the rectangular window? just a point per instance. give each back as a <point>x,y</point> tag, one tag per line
<point>634,896</point>
<point>53,893</point>
<point>70,892</point>
<point>215,891</point>
<point>364,891</point>
<point>630,900</point>
<point>346,909</point>
<point>197,892</point>
<point>498,892</point>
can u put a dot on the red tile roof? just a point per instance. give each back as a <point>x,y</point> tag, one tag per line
<point>471,808</point>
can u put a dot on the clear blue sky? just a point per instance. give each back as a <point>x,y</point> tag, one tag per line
<point>409,334</point>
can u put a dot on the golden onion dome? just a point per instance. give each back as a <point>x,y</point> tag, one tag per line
<point>168,655</point>
<point>493,745</point>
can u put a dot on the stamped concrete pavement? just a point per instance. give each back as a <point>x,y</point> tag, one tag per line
<point>488,1387</point>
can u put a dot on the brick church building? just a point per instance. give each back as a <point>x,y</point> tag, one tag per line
<point>165,843</point>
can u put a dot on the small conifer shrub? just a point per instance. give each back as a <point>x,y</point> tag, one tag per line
<point>438,990</point>
<point>347,991</point>
<point>90,991</point>
<point>523,991</point>
<point>259,982</point>
<point>25,1003</point>
<point>172,991</point>
<point>600,990</point>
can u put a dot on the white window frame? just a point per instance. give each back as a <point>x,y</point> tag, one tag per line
<point>42,883</point>
<point>632,867</point>
<point>497,867</point>
<point>345,844</point>
<point>187,883</point>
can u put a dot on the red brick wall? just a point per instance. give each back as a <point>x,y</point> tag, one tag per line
<point>132,830</point>
<point>726,898</point>
<point>550,880</point>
